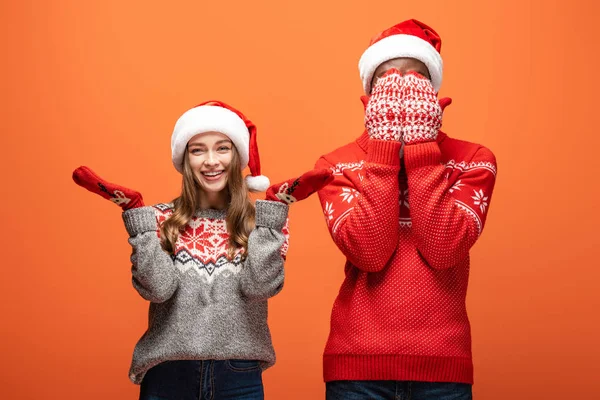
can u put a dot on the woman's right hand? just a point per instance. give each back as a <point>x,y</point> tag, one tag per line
<point>121,196</point>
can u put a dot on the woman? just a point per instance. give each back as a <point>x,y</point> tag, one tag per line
<point>208,261</point>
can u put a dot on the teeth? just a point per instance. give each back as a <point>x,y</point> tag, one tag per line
<point>212,173</point>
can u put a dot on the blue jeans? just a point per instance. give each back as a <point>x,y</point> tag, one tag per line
<point>397,390</point>
<point>203,380</point>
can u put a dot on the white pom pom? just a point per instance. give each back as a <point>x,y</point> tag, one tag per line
<point>257,183</point>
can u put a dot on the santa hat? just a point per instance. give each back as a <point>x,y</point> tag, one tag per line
<point>216,116</point>
<point>411,39</point>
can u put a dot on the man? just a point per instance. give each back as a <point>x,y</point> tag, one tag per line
<point>406,205</point>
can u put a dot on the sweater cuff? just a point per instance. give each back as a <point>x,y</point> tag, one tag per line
<point>422,154</point>
<point>271,214</point>
<point>385,152</point>
<point>140,220</point>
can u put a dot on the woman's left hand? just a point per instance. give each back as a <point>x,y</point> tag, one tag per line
<point>297,189</point>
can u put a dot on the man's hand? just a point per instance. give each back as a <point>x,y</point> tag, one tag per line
<point>383,114</point>
<point>422,113</point>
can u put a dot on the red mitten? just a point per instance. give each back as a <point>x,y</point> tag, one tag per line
<point>383,113</point>
<point>294,190</point>
<point>422,113</point>
<point>445,102</point>
<point>121,196</point>
<point>364,99</point>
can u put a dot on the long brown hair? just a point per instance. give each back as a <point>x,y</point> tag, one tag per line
<point>240,211</point>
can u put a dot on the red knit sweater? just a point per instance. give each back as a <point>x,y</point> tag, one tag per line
<point>406,232</point>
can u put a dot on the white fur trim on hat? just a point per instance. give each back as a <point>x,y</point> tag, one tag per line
<point>209,119</point>
<point>397,46</point>
<point>257,183</point>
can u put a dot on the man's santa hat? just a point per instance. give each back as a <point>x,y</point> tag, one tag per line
<point>412,39</point>
<point>216,116</point>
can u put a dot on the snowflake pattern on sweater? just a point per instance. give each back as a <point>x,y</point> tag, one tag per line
<point>474,205</point>
<point>202,245</point>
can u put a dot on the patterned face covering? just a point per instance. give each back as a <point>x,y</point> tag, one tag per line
<point>383,114</point>
<point>403,108</point>
<point>422,114</point>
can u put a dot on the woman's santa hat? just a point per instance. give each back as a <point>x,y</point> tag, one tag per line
<point>216,116</point>
<point>412,39</point>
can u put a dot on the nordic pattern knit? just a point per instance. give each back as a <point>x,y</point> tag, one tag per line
<point>205,305</point>
<point>406,228</point>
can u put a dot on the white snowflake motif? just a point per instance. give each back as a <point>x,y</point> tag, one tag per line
<point>480,200</point>
<point>404,199</point>
<point>457,186</point>
<point>339,168</point>
<point>328,211</point>
<point>349,194</point>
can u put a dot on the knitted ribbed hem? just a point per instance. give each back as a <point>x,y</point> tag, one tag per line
<point>140,220</point>
<point>271,214</point>
<point>385,152</point>
<point>397,368</point>
<point>422,154</point>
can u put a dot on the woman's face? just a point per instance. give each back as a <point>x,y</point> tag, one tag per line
<point>209,155</point>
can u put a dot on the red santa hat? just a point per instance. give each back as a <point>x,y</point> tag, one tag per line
<point>411,39</point>
<point>216,116</point>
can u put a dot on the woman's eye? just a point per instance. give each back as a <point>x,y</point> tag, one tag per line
<point>197,151</point>
<point>224,148</point>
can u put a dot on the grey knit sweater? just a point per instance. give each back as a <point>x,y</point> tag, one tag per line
<point>203,304</point>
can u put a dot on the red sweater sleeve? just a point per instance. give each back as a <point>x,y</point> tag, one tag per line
<point>448,215</point>
<point>362,210</point>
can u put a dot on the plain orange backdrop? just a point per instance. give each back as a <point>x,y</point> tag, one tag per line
<point>101,84</point>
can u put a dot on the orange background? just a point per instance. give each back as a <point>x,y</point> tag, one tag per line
<point>102,83</point>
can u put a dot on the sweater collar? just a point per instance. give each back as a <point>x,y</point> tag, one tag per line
<point>210,213</point>
<point>363,141</point>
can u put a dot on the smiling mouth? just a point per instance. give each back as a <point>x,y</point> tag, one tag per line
<point>212,174</point>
